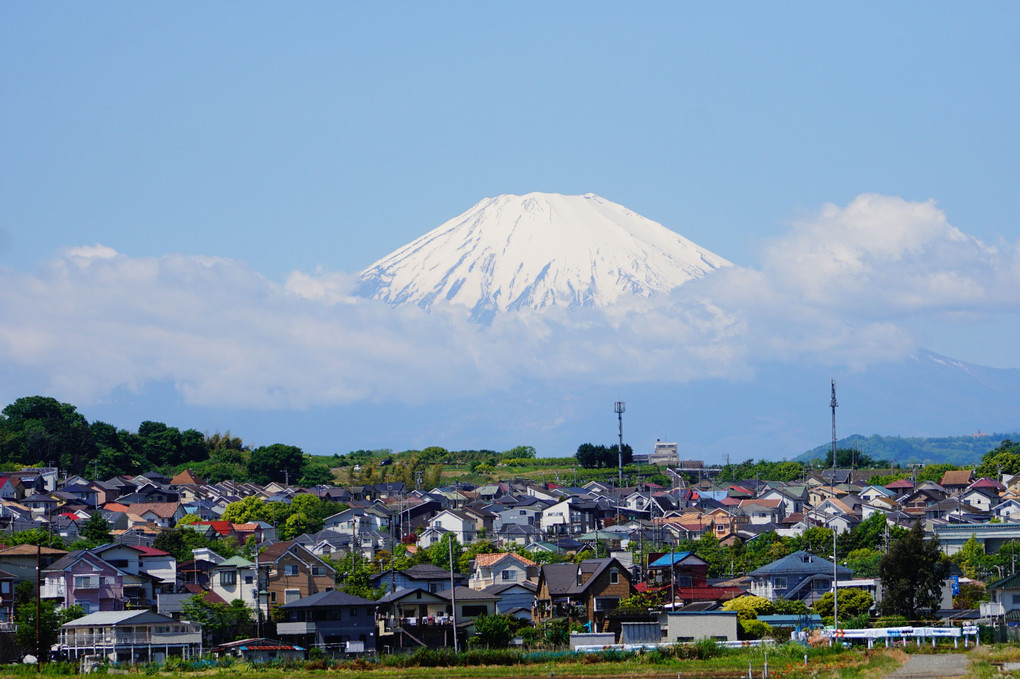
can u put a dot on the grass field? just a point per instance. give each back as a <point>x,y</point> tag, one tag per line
<point>784,663</point>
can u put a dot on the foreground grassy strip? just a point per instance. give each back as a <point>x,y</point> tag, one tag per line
<point>784,663</point>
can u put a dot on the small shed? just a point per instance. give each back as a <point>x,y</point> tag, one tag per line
<point>261,650</point>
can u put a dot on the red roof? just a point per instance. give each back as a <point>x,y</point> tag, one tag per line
<point>221,527</point>
<point>149,551</point>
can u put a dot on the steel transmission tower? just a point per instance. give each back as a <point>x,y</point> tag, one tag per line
<point>619,408</point>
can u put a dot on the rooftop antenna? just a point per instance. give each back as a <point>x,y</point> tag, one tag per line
<point>833,404</point>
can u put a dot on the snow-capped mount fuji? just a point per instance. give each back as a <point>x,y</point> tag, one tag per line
<point>538,250</point>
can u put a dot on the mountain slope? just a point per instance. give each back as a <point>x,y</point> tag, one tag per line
<point>538,250</point>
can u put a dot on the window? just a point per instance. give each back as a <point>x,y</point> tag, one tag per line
<point>291,595</point>
<point>614,576</point>
<point>779,583</point>
<point>472,611</point>
<point>509,575</point>
<point>248,580</point>
<point>435,587</point>
<point>290,569</point>
<point>272,597</point>
<point>316,570</point>
<point>5,587</point>
<point>822,586</point>
<point>86,582</point>
<point>607,603</point>
<point>228,578</point>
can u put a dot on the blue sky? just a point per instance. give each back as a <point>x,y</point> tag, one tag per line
<point>317,138</point>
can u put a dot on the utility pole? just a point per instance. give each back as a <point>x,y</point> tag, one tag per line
<point>38,600</point>
<point>453,596</point>
<point>835,583</point>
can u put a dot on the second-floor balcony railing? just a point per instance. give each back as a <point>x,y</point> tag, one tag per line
<point>108,639</point>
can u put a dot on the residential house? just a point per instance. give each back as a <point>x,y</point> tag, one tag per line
<point>234,578</point>
<point>83,578</point>
<point>335,622</point>
<point>799,576</point>
<point>130,637</point>
<point>413,617</point>
<point>424,576</point>
<point>686,575</point>
<point>292,572</point>
<point>956,481</point>
<point>588,590</point>
<point>461,524</point>
<point>501,569</point>
<point>20,560</point>
<point>516,599</point>
<point>762,511</point>
<point>1004,598</point>
<point>7,602</point>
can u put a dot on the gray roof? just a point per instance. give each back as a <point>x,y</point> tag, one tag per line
<point>800,563</point>
<point>106,618</point>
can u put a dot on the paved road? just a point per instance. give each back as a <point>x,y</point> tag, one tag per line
<point>934,666</point>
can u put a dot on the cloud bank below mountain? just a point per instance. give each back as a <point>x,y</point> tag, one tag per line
<point>846,286</point>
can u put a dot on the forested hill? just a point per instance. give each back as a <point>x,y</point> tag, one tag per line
<point>958,450</point>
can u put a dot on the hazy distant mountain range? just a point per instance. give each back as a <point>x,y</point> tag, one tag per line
<point>542,252</point>
<point>959,450</point>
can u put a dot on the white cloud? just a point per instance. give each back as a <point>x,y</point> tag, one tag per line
<point>836,289</point>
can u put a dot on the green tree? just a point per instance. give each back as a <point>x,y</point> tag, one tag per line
<point>50,620</point>
<point>41,429</point>
<point>852,602</point>
<point>864,562</point>
<point>913,571</point>
<point>749,607</point>
<point>972,558</point>
<point>1004,459</point>
<point>492,631</point>
<point>220,622</point>
<point>276,463</point>
<point>96,530</point>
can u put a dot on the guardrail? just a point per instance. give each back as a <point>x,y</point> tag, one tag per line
<point>903,633</point>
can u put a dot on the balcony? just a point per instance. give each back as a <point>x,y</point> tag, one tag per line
<point>283,628</point>
<point>53,590</point>
<point>110,639</point>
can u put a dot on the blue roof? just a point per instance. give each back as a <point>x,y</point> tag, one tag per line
<point>669,559</point>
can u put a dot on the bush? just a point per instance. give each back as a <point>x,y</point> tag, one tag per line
<point>754,629</point>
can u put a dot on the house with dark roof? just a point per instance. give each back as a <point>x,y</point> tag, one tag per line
<point>291,572</point>
<point>799,576</point>
<point>413,617</point>
<point>588,590</point>
<point>422,576</point>
<point>336,622</point>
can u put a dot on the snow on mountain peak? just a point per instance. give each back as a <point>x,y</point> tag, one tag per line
<point>538,250</point>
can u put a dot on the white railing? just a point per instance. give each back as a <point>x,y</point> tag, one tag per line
<point>139,639</point>
<point>52,591</point>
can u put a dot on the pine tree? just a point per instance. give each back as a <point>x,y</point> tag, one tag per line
<point>913,572</point>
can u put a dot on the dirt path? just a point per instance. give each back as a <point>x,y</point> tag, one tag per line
<point>934,666</point>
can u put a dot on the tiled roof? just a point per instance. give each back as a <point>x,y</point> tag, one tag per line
<point>490,559</point>
<point>959,477</point>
